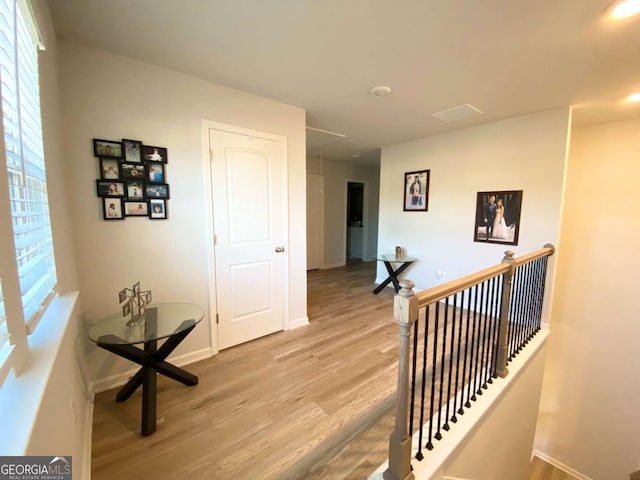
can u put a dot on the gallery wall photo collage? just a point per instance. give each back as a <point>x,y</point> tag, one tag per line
<point>133,179</point>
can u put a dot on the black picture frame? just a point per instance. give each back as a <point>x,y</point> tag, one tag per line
<point>155,172</point>
<point>107,148</point>
<point>136,208</point>
<point>416,191</point>
<point>133,171</point>
<point>134,190</point>
<point>112,209</point>
<point>157,190</point>
<point>109,169</point>
<point>491,226</point>
<point>110,188</point>
<point>131,150</point>
<point>155,154</point>
<point>158,209</point>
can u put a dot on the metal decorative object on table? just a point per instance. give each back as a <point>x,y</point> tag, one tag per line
<point>136,302</point>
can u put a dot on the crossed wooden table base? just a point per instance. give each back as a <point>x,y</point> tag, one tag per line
<point>152,361</point>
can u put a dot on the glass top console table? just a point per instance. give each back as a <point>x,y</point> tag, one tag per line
<point>394,273</point>
<point>170,321</point>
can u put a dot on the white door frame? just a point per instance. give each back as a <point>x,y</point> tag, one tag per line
<point>365,217</point>
<point>208,188</point>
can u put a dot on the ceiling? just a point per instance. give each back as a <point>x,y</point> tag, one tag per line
<point>506,58</point>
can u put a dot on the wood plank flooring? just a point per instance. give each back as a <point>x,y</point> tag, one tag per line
<point>273,408</point>
<point>313,403</point>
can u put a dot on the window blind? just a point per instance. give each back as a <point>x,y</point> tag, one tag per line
<point>25,157</point>
<point>4,335</point>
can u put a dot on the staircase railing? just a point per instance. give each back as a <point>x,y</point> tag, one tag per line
<point>465,333</point>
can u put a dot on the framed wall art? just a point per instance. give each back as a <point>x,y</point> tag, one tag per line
<point>132,150</point>
<point>112,209</point>
<point>154,154</point>
<point>107,148</point>
<point>110,188</point>
<point>416,191</point>
<point>157,209</point>
<point>497,217</point>
<point>160,190</point>
<point>136,209</point>
<point>131,174</point>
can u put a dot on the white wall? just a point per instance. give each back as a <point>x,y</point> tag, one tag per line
<point>525,153</point>
<point>499,447</point>
<point>46,409</point>
<point>589,417</point>
<point>111,97</point>
<point>336,175</point>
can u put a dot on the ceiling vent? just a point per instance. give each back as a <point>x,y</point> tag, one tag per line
<point>458,113</point>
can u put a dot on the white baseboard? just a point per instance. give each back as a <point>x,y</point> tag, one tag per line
<point>560,465</point>
<point>120,379</point>
<point>332,265</point>
<point>300,322</point>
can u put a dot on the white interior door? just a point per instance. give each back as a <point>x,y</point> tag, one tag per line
<point>315,219</point>
<point>249,225</point>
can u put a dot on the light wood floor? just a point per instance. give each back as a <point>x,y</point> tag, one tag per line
<point>314,403</point>
<point>280,407</point>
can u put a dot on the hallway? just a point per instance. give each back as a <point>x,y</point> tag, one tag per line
<point>271,408</point>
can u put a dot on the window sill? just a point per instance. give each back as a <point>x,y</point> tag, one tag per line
<point>20,396</point>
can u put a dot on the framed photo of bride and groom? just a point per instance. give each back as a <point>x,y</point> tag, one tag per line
<point>498,217</point>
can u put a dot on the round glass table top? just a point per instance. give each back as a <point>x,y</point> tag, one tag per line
<point>393,258</point>
<point>159,320</point>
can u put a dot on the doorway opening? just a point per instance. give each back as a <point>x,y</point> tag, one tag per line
<point>355,222</point>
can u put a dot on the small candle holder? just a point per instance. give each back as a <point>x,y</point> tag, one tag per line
<point>399,252</point>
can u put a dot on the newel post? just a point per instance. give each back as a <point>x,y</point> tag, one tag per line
<point>405,311</point>
<point>502,352</point>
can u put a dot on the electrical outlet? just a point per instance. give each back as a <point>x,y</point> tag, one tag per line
<point>441,273</point>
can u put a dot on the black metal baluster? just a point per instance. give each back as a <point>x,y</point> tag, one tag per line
<point>533,293</point>
<point>496,325</point>
<point>438,435</point>
<point>483,331</point>
<point>433,377</point>
<point>413,374</point>
<point>476,338</point>
<point>523,306</point>
<point>539,294</point>
<point>487,333</point>
<point>516,316</point>
<point>466,357</point>
<point>496,334</point>
<point>419,455</point>
<point>528,303</point>
<point>454,419</point>
<point>453,338</point>
<point>511,319</point>
<point>542,287</point>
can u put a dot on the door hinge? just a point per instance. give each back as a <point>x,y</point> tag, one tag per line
<point>215,239</point>
<point>217,318</point>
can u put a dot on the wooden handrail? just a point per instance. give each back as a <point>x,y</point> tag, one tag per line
<point>440,292</point>
<point>435,294</point>
<point>547,250</point>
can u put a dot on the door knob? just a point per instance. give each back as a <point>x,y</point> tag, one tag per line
<point>279,249</point>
